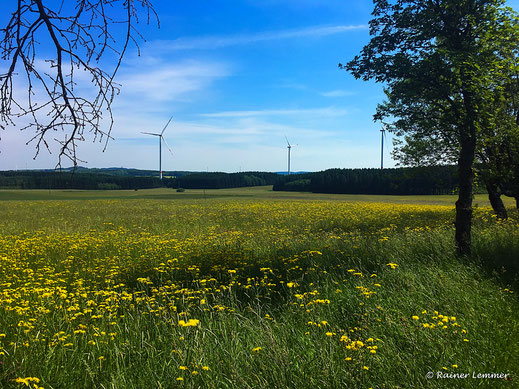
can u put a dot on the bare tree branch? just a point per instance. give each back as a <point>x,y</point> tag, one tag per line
<point>80,33</point>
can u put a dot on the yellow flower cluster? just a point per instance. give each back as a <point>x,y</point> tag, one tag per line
<point>189,323</point>
<point>80,290</point>
<point>437,320</point>
<point>28,380</point>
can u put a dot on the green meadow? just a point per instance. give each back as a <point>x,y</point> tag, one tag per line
<point>249,288</point>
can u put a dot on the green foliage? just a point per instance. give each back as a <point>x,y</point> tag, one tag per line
<point>399,181</point>
<point>108,186</point>
<point>67,180</point>
<point>217,180</point>
<point>446,65</point>
<point>111,179</point>
<point>302,185</point>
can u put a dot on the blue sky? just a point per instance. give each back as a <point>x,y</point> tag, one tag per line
<point>237,76</point>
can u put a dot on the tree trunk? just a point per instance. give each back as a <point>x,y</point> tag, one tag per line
<point>467,137</point>
<point>494,195</point>
<point>464,203</point>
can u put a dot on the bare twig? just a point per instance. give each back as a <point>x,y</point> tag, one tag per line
<point>80,33</point>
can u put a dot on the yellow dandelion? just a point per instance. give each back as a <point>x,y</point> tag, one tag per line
<point>27,380</point>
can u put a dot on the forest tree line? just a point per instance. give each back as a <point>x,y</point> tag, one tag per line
<point>432,180</point>
<point>217,180</point>
<point>119,179</point>
<point>30,179</point>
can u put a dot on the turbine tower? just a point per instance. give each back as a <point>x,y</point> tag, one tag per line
<point>289,146</point>
<point>383,136</point>
<point>161,139</point>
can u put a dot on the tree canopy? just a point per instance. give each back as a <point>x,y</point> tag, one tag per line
<point>445,65</point>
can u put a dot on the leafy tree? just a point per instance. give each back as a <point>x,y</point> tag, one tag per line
<point>497,154</point>
<point>79,33</point>
<point>444,64</point>
<point>498,158</point>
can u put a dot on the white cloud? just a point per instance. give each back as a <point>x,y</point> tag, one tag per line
<point>145,104</point>
<point>166,82</point>
<point>337,93</point>
<point>216,42</point>
<point>154,87</point>
<point>327,111</point>
<point>250,129</point>
<point>225,144</point>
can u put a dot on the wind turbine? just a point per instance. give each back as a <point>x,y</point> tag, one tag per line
<point>289,146</point>
<point>161,139</point>
<point>383,136</point>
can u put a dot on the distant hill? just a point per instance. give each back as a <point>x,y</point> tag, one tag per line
<point>119,171</point>
<point>285,173</point>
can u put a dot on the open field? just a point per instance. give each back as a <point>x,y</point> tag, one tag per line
<point>257,192</point>
<point>252,288</point>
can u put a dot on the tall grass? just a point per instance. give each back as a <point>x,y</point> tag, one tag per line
<point>253,293</point>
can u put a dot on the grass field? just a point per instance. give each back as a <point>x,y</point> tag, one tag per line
<point>258,192</point>
<point>249,288</point>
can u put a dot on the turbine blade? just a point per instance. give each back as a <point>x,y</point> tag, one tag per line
<point>288,143</point>
<point>149,133</point>
<point>164,129</point>
<point>166,143</point>
<point>384,129</point>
